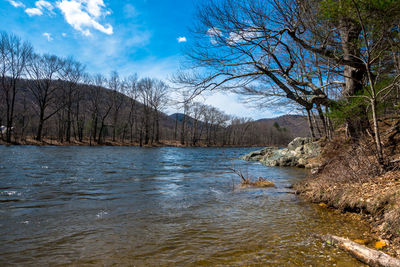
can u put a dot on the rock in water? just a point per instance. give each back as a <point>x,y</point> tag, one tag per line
<point>295,155</point>
<point>299,142</point>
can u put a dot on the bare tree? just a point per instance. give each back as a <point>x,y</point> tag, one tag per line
<point>273,49</point>
<point>145,87</point>
<point>44,72</point>
<point>131,90</point>
<point>115,85</point>
<point>72,73</point>
<point>196,111</point>
<point>374,56</point>
<point>94,95</point>
<point>158,101</point>
<point>14,55</point>
<point>105,104</point>
<point>239,49</point>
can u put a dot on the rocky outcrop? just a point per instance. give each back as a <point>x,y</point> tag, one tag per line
<point>297,154</point>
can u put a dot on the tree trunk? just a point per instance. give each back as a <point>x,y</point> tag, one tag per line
<point>99,141</point>
<point>141,137</point>
<point>378,143</point>
<point>366,255</point>
<point>349,35</point>
<point>11,113</point>
<point>95,128</point>
<point>310,124</point>
<point>322,117</point>
<point>146,132</point>
<point>176,126</point>
<point>157,127</point>
<point>183,129</point>
<point>316,124</point>
<point>40,126</point>
<point>68,128</point>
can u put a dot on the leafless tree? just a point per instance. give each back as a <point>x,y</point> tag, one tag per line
<point>106,104</point>
<point>14,55</point>
<point>94,95</point>
<point>72,74</point>
<point>196,111</point>
<point>131,90</point>
<point>159,99</point>
<point>116,87</point>
<point>44,73</point>
<point>377,52</point>
<point>145,87</point>
<point>274,48</point>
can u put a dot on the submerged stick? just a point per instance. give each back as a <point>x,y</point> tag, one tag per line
<point>362,253</point>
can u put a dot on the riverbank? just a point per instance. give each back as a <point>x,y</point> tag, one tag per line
<point>108,142</point>
<point>350,179</point>
<point>346,176</point>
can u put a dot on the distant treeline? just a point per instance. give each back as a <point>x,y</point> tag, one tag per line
<point>45,97</point>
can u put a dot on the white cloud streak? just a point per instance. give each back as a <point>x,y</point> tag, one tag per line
<point>33,12</point>
<point>41,7</point>
<point>48,36</point>
<point>84,15</point>
<point>182,39</point>
<point>214,33</point>
<point>16,3</point>
<point>243,36</point>
<point>41,4</point>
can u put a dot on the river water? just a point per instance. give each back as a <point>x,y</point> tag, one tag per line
<point>157,206</point>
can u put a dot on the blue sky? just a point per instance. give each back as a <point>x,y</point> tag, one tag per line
<point>138,36</point>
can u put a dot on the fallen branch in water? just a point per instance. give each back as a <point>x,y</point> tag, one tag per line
<point>239,173</point>
<point>246,181</point>
<point>362,253</point>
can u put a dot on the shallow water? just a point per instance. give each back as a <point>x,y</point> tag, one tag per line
<point>156,206</point>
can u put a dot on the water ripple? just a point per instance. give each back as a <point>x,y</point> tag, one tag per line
<point>151,207</point>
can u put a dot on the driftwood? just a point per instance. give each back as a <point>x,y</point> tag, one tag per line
<point>366,255</point>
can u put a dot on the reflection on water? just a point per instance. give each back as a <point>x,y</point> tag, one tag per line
<point>158,206</point>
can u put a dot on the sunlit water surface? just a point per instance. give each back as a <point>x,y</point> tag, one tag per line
<point>156,206</point>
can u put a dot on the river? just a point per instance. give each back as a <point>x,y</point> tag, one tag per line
<point>157,206</point>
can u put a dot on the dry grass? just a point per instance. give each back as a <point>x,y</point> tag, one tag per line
<point>247,182</point>
<point>351,179</point>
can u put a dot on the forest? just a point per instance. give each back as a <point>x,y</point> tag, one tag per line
<point>46,99</point>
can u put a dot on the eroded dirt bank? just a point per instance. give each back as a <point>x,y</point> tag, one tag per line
<point>350,179</point>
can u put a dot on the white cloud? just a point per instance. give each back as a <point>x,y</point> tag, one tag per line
<point>16,3</point>
<point>94,7</point>
<point>41,6</point>
<point>182,39</point>
<point>214,33</point>
<point>83,15</point>
<point>33,12</point>
<point>48,36</point>
<point>64,34</point>
<point>243,36</point>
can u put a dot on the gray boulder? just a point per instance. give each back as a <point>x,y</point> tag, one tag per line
<point>257,155</point>
<point>299,142</point>
<point>295,155</point>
